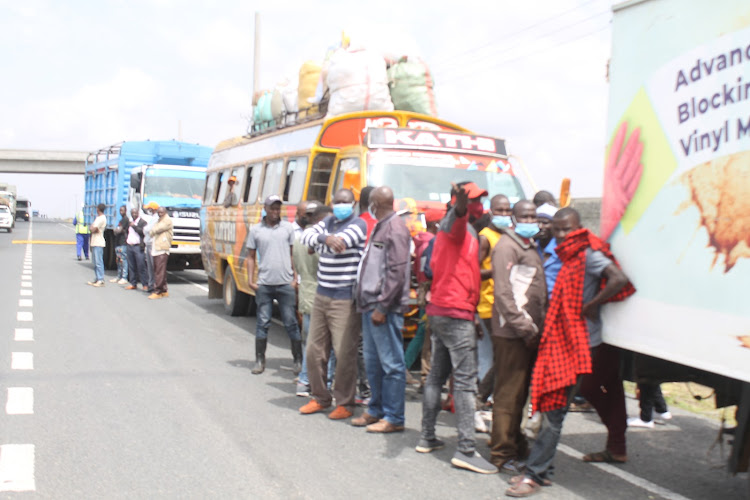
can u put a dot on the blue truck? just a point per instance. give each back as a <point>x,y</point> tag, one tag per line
<point>134,173</point>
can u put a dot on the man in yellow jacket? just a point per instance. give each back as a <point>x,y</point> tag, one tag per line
<point>162,242</point>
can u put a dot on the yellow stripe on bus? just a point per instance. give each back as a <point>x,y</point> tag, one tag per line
<point>42,242</point>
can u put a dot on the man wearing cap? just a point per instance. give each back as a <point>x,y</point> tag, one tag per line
<point>334,322</point>
<point>272,241</point>
<point>230,199</point>
<point>453,303</point>
<point>149,211</point>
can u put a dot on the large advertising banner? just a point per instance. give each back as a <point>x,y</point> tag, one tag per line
<point>676,203</point>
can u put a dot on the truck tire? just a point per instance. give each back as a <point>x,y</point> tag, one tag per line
<point>236,303</point>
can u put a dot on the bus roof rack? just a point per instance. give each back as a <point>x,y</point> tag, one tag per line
<point>288,119</point>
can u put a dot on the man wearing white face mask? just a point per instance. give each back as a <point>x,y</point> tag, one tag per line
<point>517,316</point>
<point>339,239</point>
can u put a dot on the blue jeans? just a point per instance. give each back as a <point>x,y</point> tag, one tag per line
<point>122,261</point>
<point>385,366</point>
<point>540,464</point>
<point>97,255</point>
<point>287,299</point>
<point>454,348</point>
<point>137,266</point>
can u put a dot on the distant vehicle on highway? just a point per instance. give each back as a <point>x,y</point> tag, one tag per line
<point>6,219</point>
<point>23,209</point>
<point>35,213</point>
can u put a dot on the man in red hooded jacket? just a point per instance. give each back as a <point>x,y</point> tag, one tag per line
<point>453,302</point>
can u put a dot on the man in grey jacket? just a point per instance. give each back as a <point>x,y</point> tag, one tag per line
<point>383,298</point>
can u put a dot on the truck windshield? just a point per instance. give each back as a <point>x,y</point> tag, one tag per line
<point>174,188</point>
<point>428,177</point>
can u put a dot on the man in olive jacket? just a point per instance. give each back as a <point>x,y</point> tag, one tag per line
<point>162,242</point>
<point>383,297</point>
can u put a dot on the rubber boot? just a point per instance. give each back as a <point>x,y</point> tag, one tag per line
<point>297,355</point>
<point>260,356</point>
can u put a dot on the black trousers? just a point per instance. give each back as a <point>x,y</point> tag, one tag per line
<point>651,399</point>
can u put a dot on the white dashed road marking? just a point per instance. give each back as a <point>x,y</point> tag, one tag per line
<point>25,303</point>
<point>17,467</point>
<point>627,476</point>
<point>24,334</point>
<point>25,316</point>
<point>20,401</point>
<point>26,284</point>
<point>21,361</point>
<point>27,293</point>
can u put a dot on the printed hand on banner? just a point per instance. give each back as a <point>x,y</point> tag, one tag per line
<point>622,174</point>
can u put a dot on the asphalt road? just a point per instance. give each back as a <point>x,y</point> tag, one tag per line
<point>134,398</point>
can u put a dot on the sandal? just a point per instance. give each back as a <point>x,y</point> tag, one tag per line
<point>525,487</point>
<point>517,479</point>
<point>605,457</point>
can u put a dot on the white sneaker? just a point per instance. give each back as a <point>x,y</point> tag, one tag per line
<point>122,281</point>
<point>662,418</point>
<point>113,280</point>
<point>637,422</point>
<point>479,424</point>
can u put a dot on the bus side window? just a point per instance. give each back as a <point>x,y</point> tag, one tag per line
<point>250,196</point>
<point>223,186</point>
<point>296,170</point>
<point>272,181</point>
<point>347,176</point>
<point>320,176</point>
<point>208,194</point>
<point>217,186</point>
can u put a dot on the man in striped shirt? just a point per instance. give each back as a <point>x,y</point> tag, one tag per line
<point>339,239</point>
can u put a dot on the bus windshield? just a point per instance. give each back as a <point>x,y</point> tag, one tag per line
<point>174,188</point>
<point>428,177</point>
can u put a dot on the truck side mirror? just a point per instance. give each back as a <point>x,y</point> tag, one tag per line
<point>135,181</point>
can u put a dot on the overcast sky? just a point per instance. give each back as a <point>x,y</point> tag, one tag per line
<point>81,75</point>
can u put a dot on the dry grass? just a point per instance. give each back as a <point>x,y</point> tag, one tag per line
<point>683,395</point>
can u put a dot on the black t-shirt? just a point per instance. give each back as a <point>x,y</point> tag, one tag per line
<point>123,235</point>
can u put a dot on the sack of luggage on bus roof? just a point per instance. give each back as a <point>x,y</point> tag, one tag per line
<point>309,74</point>
<point>284,103</point>
<point>357,81</point>
<point>262,114</point>
<point>412,87</point>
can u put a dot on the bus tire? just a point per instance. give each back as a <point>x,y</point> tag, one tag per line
<point>235,302</point>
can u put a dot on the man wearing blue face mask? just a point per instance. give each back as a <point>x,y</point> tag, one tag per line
<point>339,239</point>
<point>517,316</point>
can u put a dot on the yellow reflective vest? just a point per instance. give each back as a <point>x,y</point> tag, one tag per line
<point>81,227</point>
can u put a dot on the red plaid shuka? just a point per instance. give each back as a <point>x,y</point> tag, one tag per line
<point>564,351</point>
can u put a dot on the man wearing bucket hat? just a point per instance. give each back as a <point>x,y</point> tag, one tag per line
<point>272,241</point>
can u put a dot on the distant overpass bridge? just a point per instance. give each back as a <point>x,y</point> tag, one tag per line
<point>25,161</point>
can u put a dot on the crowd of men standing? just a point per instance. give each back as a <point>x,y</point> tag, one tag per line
<point>141,241</point>
<point>516,291</point>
